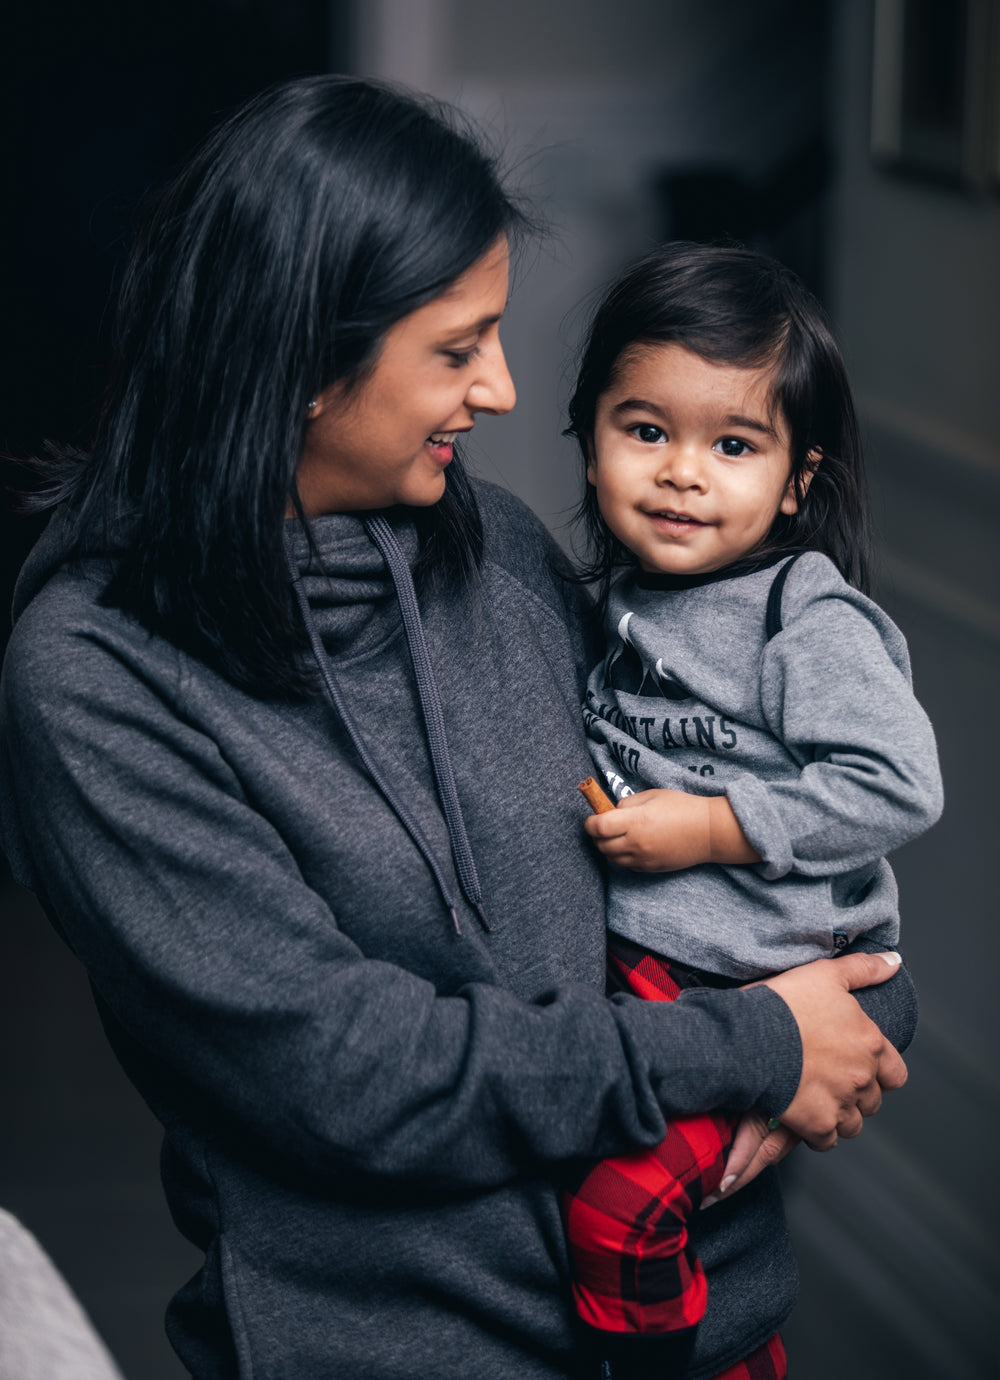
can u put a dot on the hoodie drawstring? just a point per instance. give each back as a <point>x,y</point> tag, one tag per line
<point>384,539</point>
<point>430,705</point>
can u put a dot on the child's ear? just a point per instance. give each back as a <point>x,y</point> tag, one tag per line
<point>789,504</point>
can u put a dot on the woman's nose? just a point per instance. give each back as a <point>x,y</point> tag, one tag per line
<point>493,388</point>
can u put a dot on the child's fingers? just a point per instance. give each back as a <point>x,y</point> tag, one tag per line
<point>636,800</point>
<point>625,851</point>
<point>611,823</point>
<point>606,826</point>
<point>617,850</point>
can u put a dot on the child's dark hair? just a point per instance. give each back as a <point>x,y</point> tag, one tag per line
<point>737,307</point>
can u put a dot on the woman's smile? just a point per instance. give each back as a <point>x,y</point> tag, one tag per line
<point>442,445</point>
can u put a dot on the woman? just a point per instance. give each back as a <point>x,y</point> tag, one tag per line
<point>341,918</point>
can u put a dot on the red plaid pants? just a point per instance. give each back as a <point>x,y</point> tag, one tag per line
<point>768,1363</point>
<point>626,1220</point>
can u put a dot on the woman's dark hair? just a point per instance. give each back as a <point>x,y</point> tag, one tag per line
<point>303,228</point>
<point>737,307</point>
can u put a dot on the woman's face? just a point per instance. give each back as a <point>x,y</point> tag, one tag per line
<point>390,440</point>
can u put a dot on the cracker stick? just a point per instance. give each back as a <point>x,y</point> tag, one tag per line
<point>596,798</point>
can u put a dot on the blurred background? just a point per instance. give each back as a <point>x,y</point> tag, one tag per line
<point>858,141</point>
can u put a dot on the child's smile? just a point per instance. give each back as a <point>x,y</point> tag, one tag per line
<point>690,465</point>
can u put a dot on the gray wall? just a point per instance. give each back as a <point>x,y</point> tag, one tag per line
<point>901,1225</point>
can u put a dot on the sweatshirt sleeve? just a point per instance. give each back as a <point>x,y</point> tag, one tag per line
<point>835,690</point>
<point>892,1005</point>
<point>242,1002</point>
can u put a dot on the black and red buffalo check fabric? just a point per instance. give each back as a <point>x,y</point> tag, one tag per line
<point>634,1270</point>
<point>768,1363</point>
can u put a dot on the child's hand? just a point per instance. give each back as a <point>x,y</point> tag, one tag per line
<point>654,831</point>
<point>664,831</point>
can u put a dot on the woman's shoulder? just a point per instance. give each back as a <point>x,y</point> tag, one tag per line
<point>509,525</point>
<point>68,646</point>
<point>516,539</point>
<point>521,551</point>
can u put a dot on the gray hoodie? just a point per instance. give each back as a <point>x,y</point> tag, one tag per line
<point>366,1113</point>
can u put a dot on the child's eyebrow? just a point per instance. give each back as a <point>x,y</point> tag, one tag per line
<point>637,405</point>
<point>751,423</point>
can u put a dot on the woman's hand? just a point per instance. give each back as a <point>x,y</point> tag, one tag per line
<point>664,831</point>
<point>756,1146</point>
<point>846,1060</point>
<point>846,1064</point>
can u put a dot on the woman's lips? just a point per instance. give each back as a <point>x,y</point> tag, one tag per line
<point>441,445</point>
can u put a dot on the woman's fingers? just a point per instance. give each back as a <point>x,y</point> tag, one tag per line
<point>846,1060</point>
<point>755,1147</point>
<point>870,1101</point>
<point>850,1124</point>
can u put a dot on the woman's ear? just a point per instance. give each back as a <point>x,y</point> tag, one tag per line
<point>336,396</point>
<point>591,463</point>
<point>330,397</point>
<point>789,504</point>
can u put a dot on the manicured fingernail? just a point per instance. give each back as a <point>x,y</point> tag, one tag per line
<point>727,1183</point>
<point>707,1202</point>
<point>893,959</point>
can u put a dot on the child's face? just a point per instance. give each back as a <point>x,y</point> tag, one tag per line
<point>690,468</point>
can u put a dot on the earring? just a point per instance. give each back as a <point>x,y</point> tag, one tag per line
<point>313,405</point>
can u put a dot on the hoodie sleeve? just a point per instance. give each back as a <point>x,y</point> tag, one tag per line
<point>244,1004</point>
<point>836,691</point>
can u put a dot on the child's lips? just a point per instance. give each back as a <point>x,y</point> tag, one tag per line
<point>667,517</point>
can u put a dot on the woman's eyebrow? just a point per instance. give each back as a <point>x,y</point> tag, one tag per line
<point>471,327</point>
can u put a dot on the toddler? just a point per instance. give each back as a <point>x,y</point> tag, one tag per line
<point>753,716</point>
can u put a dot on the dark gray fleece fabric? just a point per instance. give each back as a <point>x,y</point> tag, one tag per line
<point>365,1114</point>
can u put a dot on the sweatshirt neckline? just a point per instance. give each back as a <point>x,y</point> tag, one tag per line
<point>343,546</point>
<point>663,580</point>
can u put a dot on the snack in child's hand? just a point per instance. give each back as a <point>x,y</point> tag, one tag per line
<point>595,797</point>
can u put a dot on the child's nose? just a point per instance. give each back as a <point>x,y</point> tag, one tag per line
<point>681,467</point>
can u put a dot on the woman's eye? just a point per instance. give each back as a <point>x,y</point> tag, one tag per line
<point>733,447</point>
<point>459,358</point>
<point>647,433</point>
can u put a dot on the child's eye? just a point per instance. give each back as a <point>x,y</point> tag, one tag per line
<point>649,434</point>
<point>733,447</point>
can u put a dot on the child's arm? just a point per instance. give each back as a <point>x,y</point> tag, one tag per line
<point>663,831</point>
<point>835,690</point>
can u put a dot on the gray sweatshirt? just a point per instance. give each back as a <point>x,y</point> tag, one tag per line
<point>807,723</point>
<point>365,1113</point>
<point>44,1333</point>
